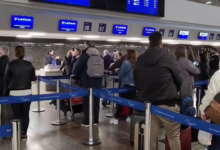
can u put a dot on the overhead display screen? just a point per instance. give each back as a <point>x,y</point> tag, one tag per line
<point>146,7</point>
<point>22,22</point>
<point>183,35</point>
<point>72,2</point>
<point>68,25</point>
<point>203,36</point>
<point>120,29</point>
<point>148,30</point>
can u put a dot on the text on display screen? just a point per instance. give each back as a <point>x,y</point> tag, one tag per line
<point>68,25</point>
<point>22,22</point>
<point>120,29</point>
<point>183,34</point>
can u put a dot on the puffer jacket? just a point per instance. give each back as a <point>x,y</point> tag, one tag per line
<point>188,71</point>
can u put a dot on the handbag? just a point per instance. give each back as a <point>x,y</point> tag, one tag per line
<point>213,110</point>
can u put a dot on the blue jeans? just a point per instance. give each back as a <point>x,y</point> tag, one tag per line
<point>215,143</point>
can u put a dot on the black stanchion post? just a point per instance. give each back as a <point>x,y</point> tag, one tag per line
<point>58,121</point>
<point>16,137</point>
<point>38,109</point>
<point>91,140</point>
<point>147,126</point>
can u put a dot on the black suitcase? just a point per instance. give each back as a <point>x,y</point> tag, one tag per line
<point>134,119</point>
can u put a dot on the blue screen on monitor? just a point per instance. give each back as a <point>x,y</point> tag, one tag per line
<point>148,30</point>
<point>22,22</point>
<point>68,25</point>
<point>203,36</point>
<point>71,2</point>
<point>148,7</point>
<point>120,29</point>
<point>183,34</point>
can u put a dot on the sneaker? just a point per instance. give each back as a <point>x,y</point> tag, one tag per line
<point>86,125</point>
<point>24,137</point>
<point>113,121</point>
<point>128,119</point>
<point>109,115</point>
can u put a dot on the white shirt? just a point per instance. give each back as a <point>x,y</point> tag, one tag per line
<point>213,90</point>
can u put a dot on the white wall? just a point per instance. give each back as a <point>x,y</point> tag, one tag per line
<point>181,11</point>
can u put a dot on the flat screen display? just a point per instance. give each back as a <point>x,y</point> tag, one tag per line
<point>68,25</point>
<point>22,22</point>
<point>72,2</point>
<point>148,30</point>
<point>120,29</point>
<point>146,7</point>
<point>203,36</point>
<point>183,35</point>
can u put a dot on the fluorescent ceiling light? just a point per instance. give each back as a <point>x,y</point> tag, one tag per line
<point>91,36</point>
<point>73,38</point>
<point>29,43</point>
<point>58,44</point>
<point>144,41</point>
<point>133,38</point>
<point>216,44</point>
<point>208,3</point>
<point>195,42</point>
<point>172,43</point>
<point>47,45</point>
<point>113,40</point>
<point>37,33</point>
<point>167,40</point>
<point>23,36</point>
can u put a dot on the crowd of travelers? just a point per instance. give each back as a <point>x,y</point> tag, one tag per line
<point>156,76</point>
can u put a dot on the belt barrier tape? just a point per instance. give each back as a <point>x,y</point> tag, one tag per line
<point>201,83</point>
<point>189,121</point>
<point>55,77</point>
<point>48,81</point>
<point>6,130</point>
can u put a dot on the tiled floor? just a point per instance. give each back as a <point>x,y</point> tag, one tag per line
<point>43,136</point>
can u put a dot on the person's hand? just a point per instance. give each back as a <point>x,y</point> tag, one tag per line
<point>203,117</point>
<point>77,56</point>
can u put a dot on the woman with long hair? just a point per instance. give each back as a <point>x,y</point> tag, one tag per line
<point>18,77</point>
<point>188,71</point>
<point>126,80</point>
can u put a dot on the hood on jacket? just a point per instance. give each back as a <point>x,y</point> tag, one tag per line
<point>92,51</point>
<point>4,58</point>
<point>153,55</point>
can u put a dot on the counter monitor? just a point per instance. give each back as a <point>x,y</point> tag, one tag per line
<point>22,22</point>
<point>68,25</point>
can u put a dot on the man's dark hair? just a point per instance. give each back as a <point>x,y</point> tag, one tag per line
<point>155,39</point>
<point>90,44</point>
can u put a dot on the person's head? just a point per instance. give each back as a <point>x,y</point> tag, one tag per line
<point>69,54</point>
<point>50,52</point>
<point>202,58</point>
<point>77,52</point>
<point>213,50</point>
<point>115,52</point>
<point>88,44</point>
<point>131,56</point>
<point>181,52</point>
<point>105,52</point>
<point>118,55</point>
<point>155,39</point>
<point>19,52</point>
<point>4,50</point>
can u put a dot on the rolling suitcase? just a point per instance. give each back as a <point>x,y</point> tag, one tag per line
<point>139,135</point>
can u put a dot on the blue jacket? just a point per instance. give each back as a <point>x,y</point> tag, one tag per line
<point>49,60</point>
<point>80,69</point>
<point>126,68</point>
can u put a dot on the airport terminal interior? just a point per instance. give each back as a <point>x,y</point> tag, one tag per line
<point>59,25</point>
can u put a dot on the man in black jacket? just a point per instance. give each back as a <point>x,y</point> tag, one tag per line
<point>214,62</point>
<point>158,80</point>
<point>4,60</point>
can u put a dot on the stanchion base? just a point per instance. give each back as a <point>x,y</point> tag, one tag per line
<point>38,110</point>
<point>93,142</point>
<point>57,123</point>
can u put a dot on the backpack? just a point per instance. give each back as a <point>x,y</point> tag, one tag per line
<point>95,66</point>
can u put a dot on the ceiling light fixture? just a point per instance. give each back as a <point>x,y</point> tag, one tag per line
<point>91,36</point>
<point>73,38</point>
<point>113,40</point>
<point>172,43</point>
<point>58,44</point>
<point>167,41</point>
<point>144,41</point>
<point>23,36</point>
<point>215,44</point>
<point>195,42</point>
<point>47,45</point>
<point>133,38</point>
<point>37,33</point>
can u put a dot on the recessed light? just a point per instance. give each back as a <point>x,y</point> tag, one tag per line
<point>133,38</point>
<point>195,42</point>
<point>58,44</point>
<point>113,40</point>
<point>47,45</point>
<point>37,33</point>
<point>73,38</point>
<point>216,44</point>
<point>23,36</point>
<point>144,41</point>
<point>167,41</point>
<point>172,43</point>
<point>91,36</point>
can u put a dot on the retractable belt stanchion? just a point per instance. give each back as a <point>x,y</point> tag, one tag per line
<point>16,137</point>
<point>91,140</point>
<point>38,109</point>
<point>198,102</point>
<point>58,121</point>
<point>147,126</point>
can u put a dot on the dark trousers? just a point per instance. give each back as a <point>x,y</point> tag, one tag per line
<point>21,111</point>
<point>129,95</point>
<point>215,143</point>
<point>96,107</point>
